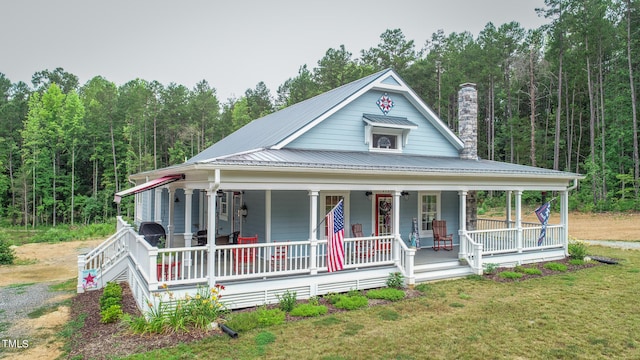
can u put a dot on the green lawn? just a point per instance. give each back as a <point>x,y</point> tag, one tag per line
<point>589,314</point>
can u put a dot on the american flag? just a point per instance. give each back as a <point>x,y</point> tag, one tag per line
<point>335,239</point>
<point>543,215</point>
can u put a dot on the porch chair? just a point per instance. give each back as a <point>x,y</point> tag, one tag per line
<point>440,236</point>
<point>279,257</point>
<point>200,237</point>
<point>245,256</point>
<point>364,248</point>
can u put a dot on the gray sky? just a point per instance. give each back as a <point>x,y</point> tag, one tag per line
<point>232,44</point>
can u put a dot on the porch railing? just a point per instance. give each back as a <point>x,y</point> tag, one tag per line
<point>500,241</point>
<point>498,224</point>
<point>471,251</point>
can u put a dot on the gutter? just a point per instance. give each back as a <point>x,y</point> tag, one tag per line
<point>575,185</point>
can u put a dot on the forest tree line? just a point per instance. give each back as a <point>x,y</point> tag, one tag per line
<point>562,97</point>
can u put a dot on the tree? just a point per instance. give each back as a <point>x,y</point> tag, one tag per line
<point>393,51</point>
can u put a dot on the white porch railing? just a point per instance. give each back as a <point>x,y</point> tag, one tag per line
<point>472,252</point>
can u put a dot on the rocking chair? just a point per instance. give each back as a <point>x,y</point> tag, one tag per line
<point>245,256</point>
<point>440,236</point>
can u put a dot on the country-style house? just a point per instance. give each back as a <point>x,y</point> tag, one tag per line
<point>372,143</point>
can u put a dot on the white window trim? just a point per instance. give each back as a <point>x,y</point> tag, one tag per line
<point>423,233</point>
<point>323,204</point>
<point>398,133</point>
<point>223,214</point>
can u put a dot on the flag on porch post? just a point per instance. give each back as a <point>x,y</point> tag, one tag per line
<point>542,213</point>
<point>335,238</point>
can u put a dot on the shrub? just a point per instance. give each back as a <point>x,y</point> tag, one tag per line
<point>510,275</point>
<point>351,302</point>
<point>287,301</point>
<point>490,268</point>
<point>269,317</point>
<point>111,314</point>
<point>386,294</point>
<point>577,250</point>
<point>576,261</point>
<point>168,313</point>
<point>555,266</point>
<point>309,310</point>
<point>395,280</point>
<point>242,321</point>
<point>7,255</point>
<point>532,271</point>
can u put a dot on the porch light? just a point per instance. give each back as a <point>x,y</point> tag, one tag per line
<point>244,211</point>
<point>368,194</point>
<point>405,195</point>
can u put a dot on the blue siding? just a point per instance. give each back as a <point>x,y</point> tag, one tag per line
<point>390,81</point>
<point>360,213</point>
<point>344,130</point>
<point>255,221</point>
<point>289,215</point>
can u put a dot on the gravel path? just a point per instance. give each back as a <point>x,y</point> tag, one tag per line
<point>630,245</point>
<point>17,301</point>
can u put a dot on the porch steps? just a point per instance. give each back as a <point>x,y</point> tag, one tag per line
<point>450,269</point>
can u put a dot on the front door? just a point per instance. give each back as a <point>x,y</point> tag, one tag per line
<point>383,214</point>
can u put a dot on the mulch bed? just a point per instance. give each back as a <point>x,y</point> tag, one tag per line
<point>545,272</point>
<point>96,340</point>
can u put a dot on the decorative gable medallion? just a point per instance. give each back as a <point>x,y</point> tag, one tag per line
<point>385,103</point>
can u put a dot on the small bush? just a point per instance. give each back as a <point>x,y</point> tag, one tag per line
<point>390,294</point>
<point>351,302</point>
<point>111,314</point>
<point>576,261</point>
<point>309,310</point>
<point>510,275</point>
<point>395,280</point>
<point>532,271</point>
<point>287,301</point>
<point>555,266</point>
<point>332,298</point>
<point>490,268</point>
<point>269,317</point>
<point>242,321</point>
<point>577,250</point>
<point>7,255</point>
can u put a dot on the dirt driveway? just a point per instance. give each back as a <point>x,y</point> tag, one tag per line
<point>26,288</point>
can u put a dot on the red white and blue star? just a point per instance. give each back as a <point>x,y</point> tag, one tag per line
<point>385,103</point>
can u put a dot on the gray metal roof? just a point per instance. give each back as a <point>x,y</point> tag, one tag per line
<point>382,120</point>
<point>380,162</point>
<point>269,130</point>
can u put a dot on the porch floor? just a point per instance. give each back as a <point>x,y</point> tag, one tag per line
<point>426,256</point>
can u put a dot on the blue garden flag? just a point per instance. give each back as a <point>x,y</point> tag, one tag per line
<point>543,215</point>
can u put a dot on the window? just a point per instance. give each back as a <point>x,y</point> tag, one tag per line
<point>223,214</point>
<point>385,141</point>
<point>327,202</point>
<point>386,133</point>
<point>428,210</point>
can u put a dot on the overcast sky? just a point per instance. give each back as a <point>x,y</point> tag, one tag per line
<point>232,44</point>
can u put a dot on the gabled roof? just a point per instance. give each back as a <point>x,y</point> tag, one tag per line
<point>278,129</point>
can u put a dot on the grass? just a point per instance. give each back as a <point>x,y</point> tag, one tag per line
<point>586,315</point>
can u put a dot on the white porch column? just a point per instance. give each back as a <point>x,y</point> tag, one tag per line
<point>509,217</point>
<point>188,198</point>
<point>313,231</point>
<point>157,216</point>
<point>170,221</point>
<point>188,235</point>
<point>462,231</point>
<point>519,220</point>
<point>396,227</point>
<point>564,219</point>
<point>211,235</point>
<point>267,216</point>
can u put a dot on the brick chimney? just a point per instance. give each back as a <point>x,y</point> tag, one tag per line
<point>468,120</point>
